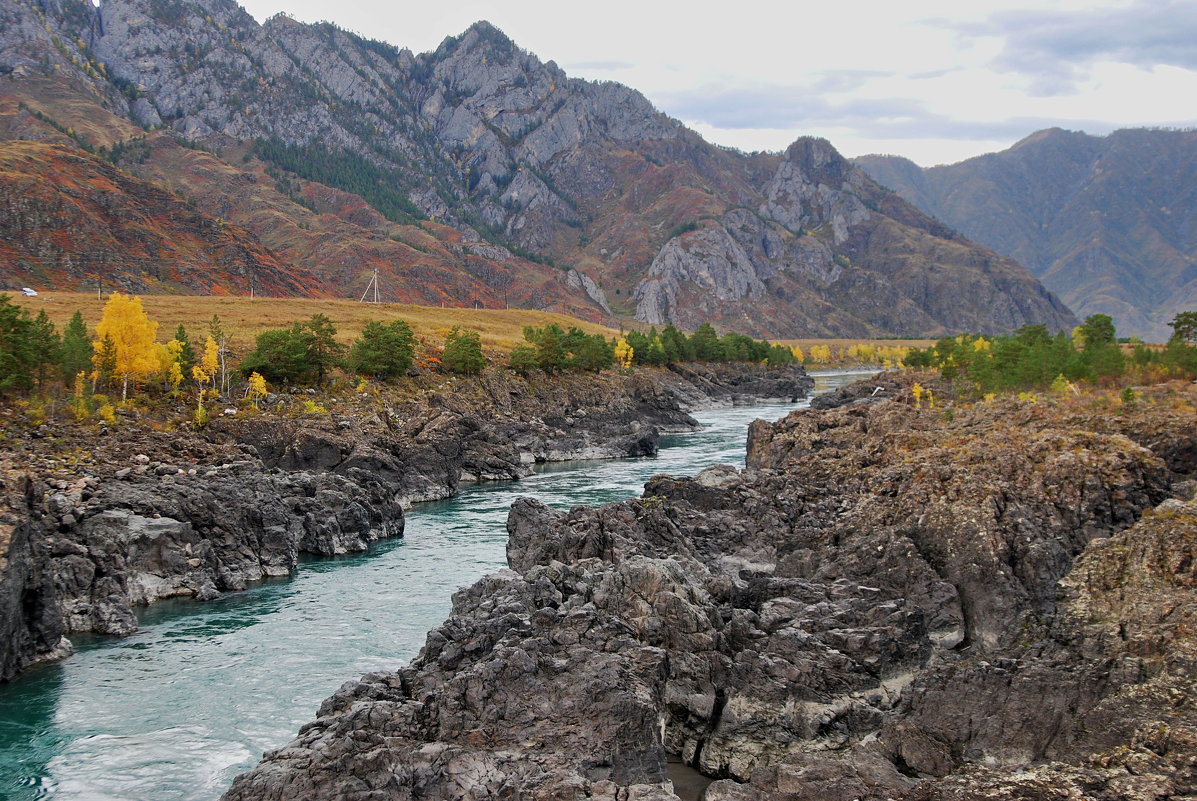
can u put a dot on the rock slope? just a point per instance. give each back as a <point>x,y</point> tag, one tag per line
<point>478,173</point>
<point>886,604</point>
<point>145,515</point>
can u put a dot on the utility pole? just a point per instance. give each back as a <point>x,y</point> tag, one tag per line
<point>373,283</point>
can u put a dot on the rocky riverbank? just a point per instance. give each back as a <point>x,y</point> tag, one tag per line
<point>992,601</point>
<point>96,522</point>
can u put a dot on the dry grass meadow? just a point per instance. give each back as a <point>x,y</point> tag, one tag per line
<point>243,318</point>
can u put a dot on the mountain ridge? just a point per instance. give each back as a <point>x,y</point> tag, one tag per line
<point>496,178</point>
<point>1103,221</point>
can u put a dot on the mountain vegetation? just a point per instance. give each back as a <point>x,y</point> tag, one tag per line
<point>295,159</point>
<point>1032,359</point>
<point>1104,221</point>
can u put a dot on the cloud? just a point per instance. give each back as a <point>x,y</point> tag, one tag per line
<point>597,66</point>
<point>775,107</point>
<point>800,109</point>
<point>844,80</point>
<point>1055,47</point>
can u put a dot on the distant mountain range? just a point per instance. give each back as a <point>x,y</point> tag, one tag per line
<point>178,145</point>
<point>1109,223</point>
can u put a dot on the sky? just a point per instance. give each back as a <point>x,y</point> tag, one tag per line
<point>936,81</point>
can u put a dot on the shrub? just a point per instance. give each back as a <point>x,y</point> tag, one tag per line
<point>463,352</point>
<point>383,351</point>
<point>523,359</point>
<point>303,353</point>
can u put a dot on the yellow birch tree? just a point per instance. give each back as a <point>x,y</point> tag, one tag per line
<point>624,353</point>
<point>209,363</point>
<point>132,334</point>
<point>257,390</point>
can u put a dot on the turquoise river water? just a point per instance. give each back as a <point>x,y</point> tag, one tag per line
<point>175,711</point>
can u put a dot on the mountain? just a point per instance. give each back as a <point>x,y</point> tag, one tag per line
<point>1109,223</point>
<point>479,174</point>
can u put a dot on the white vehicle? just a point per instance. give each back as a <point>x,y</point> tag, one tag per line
<point>29,293</point>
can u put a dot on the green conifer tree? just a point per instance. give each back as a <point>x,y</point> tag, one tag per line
<point>385,351</point>
<point>76,349</point>
<point>463,352</point>
<point>16,349</point>
<point>187,357</point>
<point>45,346</point>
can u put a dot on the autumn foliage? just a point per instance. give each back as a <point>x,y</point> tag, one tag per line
<point>132,336</point>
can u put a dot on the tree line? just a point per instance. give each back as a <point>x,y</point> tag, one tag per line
<point>1032,358</point>
<point>123,356</point>
<point>670,346</point>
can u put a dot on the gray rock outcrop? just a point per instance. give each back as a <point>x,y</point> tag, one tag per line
<point>886,605</point>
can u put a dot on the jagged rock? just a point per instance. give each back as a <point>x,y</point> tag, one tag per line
<point>887,604</point>
<point>31,618</point>
<point>873,390</point>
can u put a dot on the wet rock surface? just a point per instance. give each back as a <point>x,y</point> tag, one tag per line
<point>886,604</point>
<point>155,515</point>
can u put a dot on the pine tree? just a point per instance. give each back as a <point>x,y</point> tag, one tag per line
<point>77,349</point>
<point>324,352</point>
<point>463,352</point>
<point>103,361</point>
<point>280,355</point>
<point>187,358</point>
<point>385,351</point>
<point>587,352</point>
<point>16,348</point>
<point>705,342</point>
<point>677,347</point>
<point>550,352</point>
<point>1184,327</point>
<point>45,346</point>
<point>523,359</point>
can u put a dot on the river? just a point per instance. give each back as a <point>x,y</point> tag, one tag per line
<point>176,710</point>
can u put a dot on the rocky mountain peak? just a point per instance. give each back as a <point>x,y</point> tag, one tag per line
<point>821,163</point>
<point>813,188</point>
<point>484,34</point>
<point>514,168</point>
<point>1041,136</point>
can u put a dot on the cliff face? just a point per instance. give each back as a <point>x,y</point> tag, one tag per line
<point>145,515</point>
<point>885,605</point>
<point>1104,222</point>
<point>479,172</point>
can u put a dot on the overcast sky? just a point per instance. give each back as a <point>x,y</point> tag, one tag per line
<point>936,81</point>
